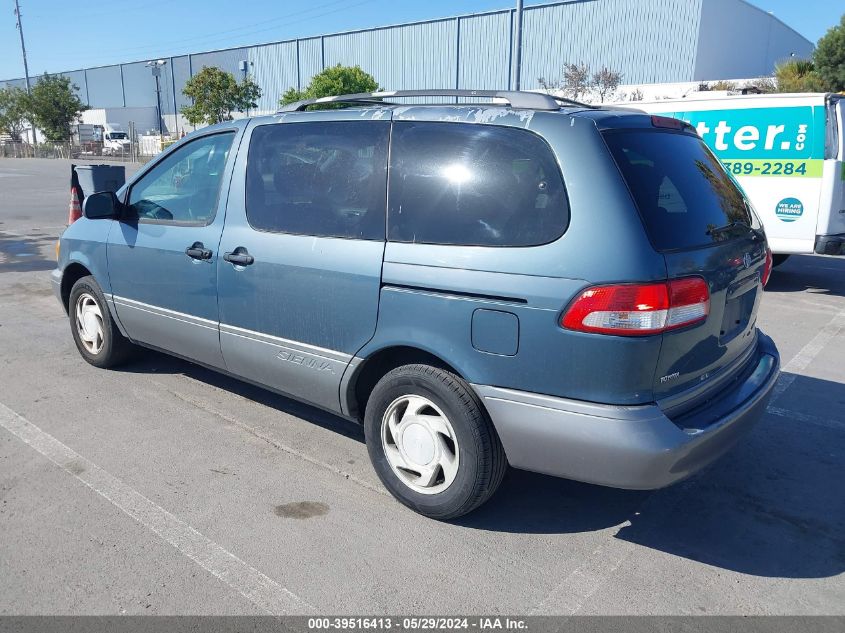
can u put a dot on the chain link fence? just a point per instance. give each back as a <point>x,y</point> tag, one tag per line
<point>72,150</point>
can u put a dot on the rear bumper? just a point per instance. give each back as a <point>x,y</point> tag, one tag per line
<point>830,244</point>
<point>634,447</point>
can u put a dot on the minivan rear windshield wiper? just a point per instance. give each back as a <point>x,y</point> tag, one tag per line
<point>727,227</point>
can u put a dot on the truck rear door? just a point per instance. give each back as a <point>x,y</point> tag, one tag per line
<point>831,219</point>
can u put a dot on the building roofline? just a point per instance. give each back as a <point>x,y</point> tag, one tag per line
<point>292,40</point>
<point>370,30</point>
<point>773,16</point>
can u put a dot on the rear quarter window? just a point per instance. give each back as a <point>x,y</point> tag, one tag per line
<point>680,188</point>
<point>473,185</point>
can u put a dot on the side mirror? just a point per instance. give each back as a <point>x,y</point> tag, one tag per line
<point>100,206</point>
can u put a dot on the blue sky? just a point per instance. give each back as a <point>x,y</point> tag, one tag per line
<point>62,35</point>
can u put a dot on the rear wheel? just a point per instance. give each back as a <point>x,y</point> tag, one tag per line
<point>431,442</point>
<point>777,260</point>
<point>94,331</point>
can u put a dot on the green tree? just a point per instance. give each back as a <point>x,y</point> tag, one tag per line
<point>829,57</point>
<point>798,75</point>
<point>53,106</point>
<point>333,81</point>
<point>13,112</point>
<point>216,94</point>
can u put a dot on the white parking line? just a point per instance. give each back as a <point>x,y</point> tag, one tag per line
<point>582,583</point>
<point>262,435</point>
<point>796,416</point>
<point>805,356</point>
<point>261,590</point>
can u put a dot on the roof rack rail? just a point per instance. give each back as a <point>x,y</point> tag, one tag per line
<point>515,99</point>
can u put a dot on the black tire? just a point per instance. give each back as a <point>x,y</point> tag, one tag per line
<point>115,348</point>
<point>777,260</point>
<point>481,459</point>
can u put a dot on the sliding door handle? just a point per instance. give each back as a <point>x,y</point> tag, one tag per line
<point>239,257</point>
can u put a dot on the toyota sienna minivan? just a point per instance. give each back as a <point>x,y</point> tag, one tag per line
<point>523,281</point>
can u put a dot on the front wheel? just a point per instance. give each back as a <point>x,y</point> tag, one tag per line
<point>431,442</point>
<point>94,331</point>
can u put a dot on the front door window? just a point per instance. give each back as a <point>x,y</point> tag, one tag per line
<point>183,188</point>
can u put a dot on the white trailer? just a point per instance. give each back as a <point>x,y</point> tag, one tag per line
<point>786,151</point>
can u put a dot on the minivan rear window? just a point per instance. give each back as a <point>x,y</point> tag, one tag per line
<point>680,188</point>
<point>473,185</point>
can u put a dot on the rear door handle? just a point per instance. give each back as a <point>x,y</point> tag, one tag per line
<point>239,257</point>
<point>198,251</point>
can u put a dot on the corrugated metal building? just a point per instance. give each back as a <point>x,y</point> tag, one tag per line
<point>649,41</point>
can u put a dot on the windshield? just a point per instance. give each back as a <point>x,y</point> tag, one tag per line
<point>116,136</point>
<point>680,188</point>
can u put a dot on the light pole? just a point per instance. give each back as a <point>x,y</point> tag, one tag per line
<point>155,67</point>
<point>23,50</point>
<point>516,71</point>
<point>244,66</point>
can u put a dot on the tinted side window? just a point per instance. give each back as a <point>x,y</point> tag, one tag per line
<point>473,185</point>
<point>324,178</point>
<point>184,187</point>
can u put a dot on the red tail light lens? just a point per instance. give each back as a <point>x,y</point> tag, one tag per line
<point>639,309</point>
<point>667,122</point>
<point>634,309</point>
<point>689,302</point>
<point>767,269</point>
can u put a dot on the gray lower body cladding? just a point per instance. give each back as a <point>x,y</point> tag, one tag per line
<point>634,447</point>
<point>56,283</point>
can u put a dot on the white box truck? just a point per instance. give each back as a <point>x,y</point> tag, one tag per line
<point>115,140</point>
<point>787,153</point>
<point>106,140</point>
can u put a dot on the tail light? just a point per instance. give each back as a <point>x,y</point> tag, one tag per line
<point>639,309</point>
<point>767,269</point>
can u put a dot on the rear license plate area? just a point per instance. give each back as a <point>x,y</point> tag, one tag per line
<point>737,316</point>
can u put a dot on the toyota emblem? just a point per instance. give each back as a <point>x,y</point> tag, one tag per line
<point>746,259</point>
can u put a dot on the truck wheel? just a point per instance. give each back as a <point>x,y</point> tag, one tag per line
<point>94,331</point>
<point>777,260</point>
<point>431,442</point>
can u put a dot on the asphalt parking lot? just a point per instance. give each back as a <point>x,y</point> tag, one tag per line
<point>164,488</point>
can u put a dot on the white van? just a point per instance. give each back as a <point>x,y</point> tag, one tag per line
<point>786,150</point>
